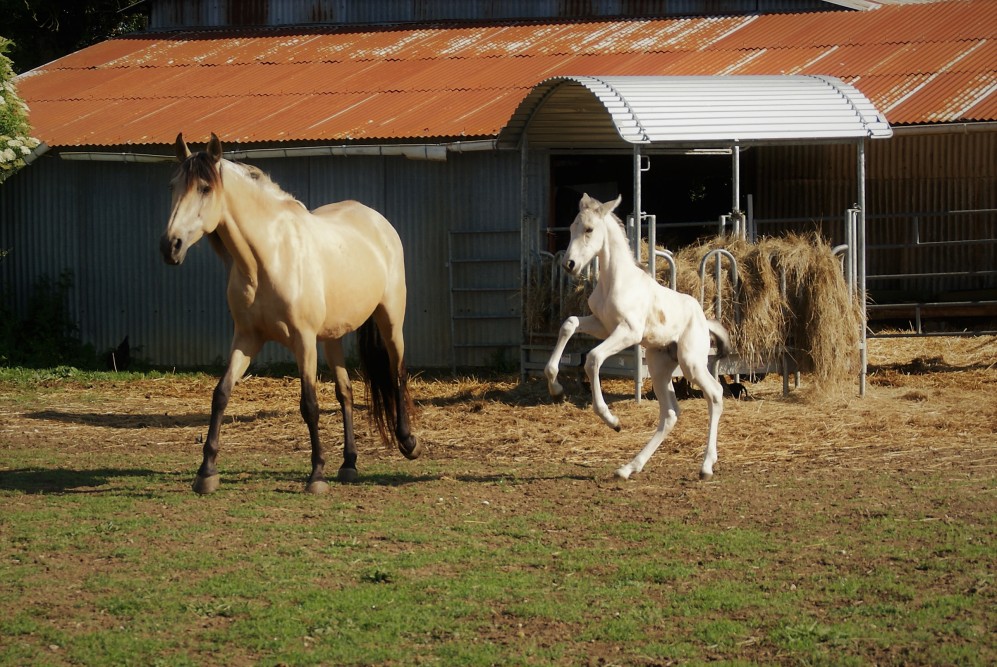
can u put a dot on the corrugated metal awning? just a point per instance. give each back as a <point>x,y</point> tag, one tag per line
<point>692,112</point>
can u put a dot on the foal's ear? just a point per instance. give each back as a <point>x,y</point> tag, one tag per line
<point>215,148</point>
<point>586,202</point>
<point>182,151</point>
<point>610,206</point>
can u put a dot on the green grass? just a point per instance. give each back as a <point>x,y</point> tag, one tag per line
<point>146,573</point>
<point>108,559</point>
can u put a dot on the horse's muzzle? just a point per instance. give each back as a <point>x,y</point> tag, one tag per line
<point>172,249</point>
<point>572,267</point>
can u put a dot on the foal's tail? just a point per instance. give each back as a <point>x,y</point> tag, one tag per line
<point>390,401</point>
<point>722,338</point>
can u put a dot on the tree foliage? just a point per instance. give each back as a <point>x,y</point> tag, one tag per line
<point>16,141</point>
<point>44,30</point>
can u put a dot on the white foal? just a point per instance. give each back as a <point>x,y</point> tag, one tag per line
<point>630,307</point>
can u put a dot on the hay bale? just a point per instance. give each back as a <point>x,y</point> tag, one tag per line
<point>816,321</point>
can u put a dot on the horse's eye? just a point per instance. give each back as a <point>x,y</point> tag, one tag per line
<point>204,190</point>
<point>588,230</point>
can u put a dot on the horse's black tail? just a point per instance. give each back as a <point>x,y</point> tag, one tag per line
<point>389,396</point>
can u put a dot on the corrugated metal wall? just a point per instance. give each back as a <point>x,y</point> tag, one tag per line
<point>102,222</point>
<point>928,197</point>
<point>171,14</point>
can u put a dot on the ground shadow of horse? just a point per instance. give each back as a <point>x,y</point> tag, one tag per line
<point>531,393</point>
<point>64,481</point>
<point>140,421</point>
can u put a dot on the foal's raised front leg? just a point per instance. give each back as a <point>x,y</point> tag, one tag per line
<point>588,324</point>
<point>243,349</point>
<point>618,340</point>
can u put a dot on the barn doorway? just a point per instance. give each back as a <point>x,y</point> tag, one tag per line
<point>686,193</point>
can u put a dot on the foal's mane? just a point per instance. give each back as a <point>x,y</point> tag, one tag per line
<point>618,236</point>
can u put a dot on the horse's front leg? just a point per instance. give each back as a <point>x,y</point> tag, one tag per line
<point>344,394</point>
<point>243,349</point>
<point>307,356</point>
<point>588,324</point>
<point>618,340</point>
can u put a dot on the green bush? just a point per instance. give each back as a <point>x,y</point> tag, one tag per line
<point>46,335</point>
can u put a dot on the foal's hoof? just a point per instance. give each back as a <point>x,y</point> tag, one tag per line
<point>705,476</point>
<point>317,488</point>
<point>623,473</point>
<point>206,485</point>
<point>410,448</point>
<point>347,475</point>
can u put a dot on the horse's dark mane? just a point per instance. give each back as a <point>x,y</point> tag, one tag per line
<point>201,167</point>
<point>198,167</point>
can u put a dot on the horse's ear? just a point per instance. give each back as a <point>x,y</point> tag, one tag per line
<point>182,151</point>
<point>610,206</point>
<point>215,148</point>
<point>585,202</point>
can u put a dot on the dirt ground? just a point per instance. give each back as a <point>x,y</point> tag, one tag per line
<point>929,403</point>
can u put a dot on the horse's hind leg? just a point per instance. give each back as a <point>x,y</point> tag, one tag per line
<point>714,394</point>
<point>344,393</point>
<point>661,364</point>
<point>243,349</point>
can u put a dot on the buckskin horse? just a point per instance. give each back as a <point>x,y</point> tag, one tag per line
<point>297,277</point>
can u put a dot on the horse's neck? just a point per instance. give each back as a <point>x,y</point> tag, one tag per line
<point>242,233</point>
<point>616,260</point>
<point>239,249</point>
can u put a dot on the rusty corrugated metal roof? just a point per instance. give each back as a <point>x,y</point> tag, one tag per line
<point>922,63</point>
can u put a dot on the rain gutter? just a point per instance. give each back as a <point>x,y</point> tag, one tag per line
<point>944,128</point>
<point>431,152</point>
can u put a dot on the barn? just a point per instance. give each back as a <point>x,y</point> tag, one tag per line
<point>410,106</point>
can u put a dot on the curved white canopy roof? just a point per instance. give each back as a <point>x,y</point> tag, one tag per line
<point>692,111</point>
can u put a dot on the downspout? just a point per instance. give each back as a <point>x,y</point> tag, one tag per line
<point>860,257</point>
<point>638,356</point>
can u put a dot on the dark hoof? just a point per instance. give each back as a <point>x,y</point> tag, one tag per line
<point>317,488</point>
<point>410,448</point>
<point>618,428</point>
<point>347,475</point>
<point>206,485</point>
<point>705,476</point>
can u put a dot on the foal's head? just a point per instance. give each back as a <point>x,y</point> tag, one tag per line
<point>197,199</point>
<point>589,232</point>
